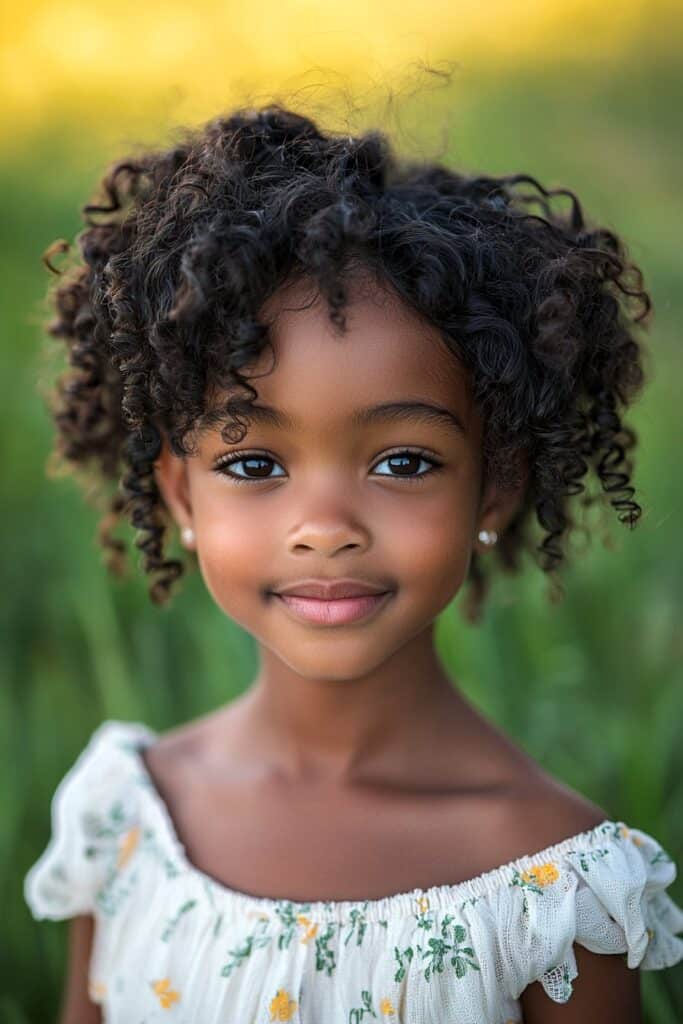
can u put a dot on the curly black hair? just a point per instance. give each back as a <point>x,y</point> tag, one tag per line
<point>183,245</point>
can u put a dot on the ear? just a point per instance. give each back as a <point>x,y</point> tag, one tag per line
<point>170,473</point>
<point>498,505</point>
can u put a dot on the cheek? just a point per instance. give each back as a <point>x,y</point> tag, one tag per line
<point>429,549</point>
<point>236,555</point>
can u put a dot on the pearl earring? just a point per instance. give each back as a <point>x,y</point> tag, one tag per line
<point>188,535</point>
<point>488,536</point>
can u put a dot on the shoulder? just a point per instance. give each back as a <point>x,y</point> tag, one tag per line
<point>604,988</point>
<point>545,812</point>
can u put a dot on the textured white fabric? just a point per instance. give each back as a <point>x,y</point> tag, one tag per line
<point>172,944</point>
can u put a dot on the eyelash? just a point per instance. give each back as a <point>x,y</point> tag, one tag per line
<point>222,464</point>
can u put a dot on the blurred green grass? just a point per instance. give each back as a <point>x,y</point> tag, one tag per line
<point>590,687</point>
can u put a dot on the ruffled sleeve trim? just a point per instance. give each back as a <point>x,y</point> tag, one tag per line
<point>64,881</point>
<point>609,898</point>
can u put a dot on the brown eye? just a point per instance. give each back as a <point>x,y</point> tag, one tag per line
<point>257,467</point>
<point>404,465</point>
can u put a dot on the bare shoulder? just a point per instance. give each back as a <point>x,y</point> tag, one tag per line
<point>174,749</point>
<point>529,809</point>
<point>546,811</point>
<point>178,757</point>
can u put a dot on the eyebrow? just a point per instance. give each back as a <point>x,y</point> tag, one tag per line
<point>367,416</point>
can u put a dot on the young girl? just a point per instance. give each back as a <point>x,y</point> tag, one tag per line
<point>433,368</point>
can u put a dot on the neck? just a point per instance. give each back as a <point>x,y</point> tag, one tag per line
<point>354,729</point>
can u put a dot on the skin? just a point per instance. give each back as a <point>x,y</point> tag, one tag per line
<point>352,744</point>
<point>344,703</point>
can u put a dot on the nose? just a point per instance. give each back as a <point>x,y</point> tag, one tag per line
<point>327,539</point>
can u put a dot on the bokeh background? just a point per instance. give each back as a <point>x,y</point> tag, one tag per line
<point>575,93</point>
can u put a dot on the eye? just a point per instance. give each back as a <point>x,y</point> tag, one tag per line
<point>248,460</point>
<point>402,460</point>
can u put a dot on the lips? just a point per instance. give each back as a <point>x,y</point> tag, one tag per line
<point>336,612</point>
<point>331,590</point>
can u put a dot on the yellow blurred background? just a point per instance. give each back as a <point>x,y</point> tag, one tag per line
<point>112,64</point>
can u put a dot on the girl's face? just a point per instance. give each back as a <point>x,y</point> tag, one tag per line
<point>389,500</point>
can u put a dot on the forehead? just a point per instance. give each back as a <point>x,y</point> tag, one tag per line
<point>388,352</point>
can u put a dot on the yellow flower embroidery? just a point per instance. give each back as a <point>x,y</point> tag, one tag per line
<point>541,874</point>
<point>97,988</point>
<point>311,929</point>
<point>423,904</point>
<point>386,1008</point>
<point>130,841</point>
<point>282,1007</point>
<point>626,832</point>
<point>167,996</point>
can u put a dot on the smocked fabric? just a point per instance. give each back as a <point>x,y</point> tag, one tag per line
<point>172,944</point>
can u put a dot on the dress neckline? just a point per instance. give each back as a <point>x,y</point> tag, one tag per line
<point>382,908</point>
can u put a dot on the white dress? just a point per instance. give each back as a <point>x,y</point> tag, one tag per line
<point>171,944</point>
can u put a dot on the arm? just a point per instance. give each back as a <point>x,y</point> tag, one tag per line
<point>605,990</point>
<point>77,1007</point>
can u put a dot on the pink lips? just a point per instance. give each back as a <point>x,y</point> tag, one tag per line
<point>332,612</point>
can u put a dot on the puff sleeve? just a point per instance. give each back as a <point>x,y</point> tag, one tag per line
<point>609,898</point>
<point>65,879</point>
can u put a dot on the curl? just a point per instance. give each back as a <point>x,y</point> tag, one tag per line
<point>183,246</point>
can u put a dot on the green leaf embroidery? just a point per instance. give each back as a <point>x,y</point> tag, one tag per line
<point>593,855</point>
<point>400,957</point>
<point>462,958</point>
<point>324,956</point>
<point>173,923</point>
<point>285,912</point>
<point>357,1014</point>
<point>358,920</point>
<point>254,941</point>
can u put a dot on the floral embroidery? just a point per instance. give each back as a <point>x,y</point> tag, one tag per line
<point>285,911</point>
<point>97,989</point>
<point>241,953</point>
<point>311,929</point>
<point>173,923</point>
<point>324,956</point>
<point>282,1007</point>
<point>167,996</point>
<point>402,957</point>
<point>462,958</point>
<point>535,879</point>
<point>592,855</point>
<point>357,1014</point>
<point>358,921</point>
<point>129,844</point>
<point>116,836</point>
